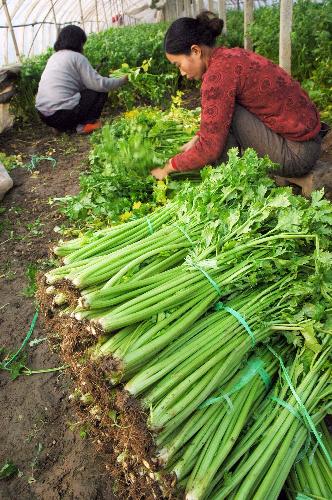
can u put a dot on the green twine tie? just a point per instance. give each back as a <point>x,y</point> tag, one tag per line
<point>254,367</point>
<point>303,452</point>
<point>208,277</point>
<point>288,407</point>
<point>184,232</point>
<point>303,410</point>
<point>25,341</point>
<point>219,306</point>
<point>149,223</point>
<point>37,159</point>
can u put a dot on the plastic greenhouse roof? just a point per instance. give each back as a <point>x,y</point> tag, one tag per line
<point>35,21</point>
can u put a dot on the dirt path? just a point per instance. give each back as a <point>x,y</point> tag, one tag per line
<point>40,432</point>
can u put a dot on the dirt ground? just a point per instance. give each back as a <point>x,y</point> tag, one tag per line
<point>40,430</point>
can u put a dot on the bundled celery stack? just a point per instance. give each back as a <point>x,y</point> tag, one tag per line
<point>204,302</point>
<point>311,475</point>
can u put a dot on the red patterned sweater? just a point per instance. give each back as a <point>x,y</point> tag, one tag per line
<point>263,88</point>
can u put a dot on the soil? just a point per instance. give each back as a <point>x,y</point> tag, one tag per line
<point>41,431</point>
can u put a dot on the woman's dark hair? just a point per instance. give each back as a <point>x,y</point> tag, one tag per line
<point>186,31</point>
<point>70,38</point>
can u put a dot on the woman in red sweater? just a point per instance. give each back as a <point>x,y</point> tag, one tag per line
<point>247,101</point>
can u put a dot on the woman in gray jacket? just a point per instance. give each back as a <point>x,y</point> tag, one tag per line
<point>71,94</point>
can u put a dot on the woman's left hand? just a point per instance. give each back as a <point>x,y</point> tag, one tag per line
<point>161,173</point>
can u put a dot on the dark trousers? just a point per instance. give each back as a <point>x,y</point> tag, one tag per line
<point>88,110</point>
<point>295,158</point>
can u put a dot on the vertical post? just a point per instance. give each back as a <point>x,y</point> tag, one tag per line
<point>104,9</point>
<point>285,46</point>
<point>165,10</point>
<point>54,17</point>
<point>5,52</point>
<point>81,14</point>
<point>9,22</point>
<point>173,10</point>
<point>32,46</point>
<point>186,8</point>
<point>222,13</point>
<point>200,5</point>
<point>49,42</point>
<point>248,19</point>
<point>210,5</point>
<point>22,39</point>
<point>177,9</point>
<point>97,16</point>
<point>42,32</point>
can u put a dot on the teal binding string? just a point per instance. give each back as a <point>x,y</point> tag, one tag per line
<point>25,341</point>
<point>37,159</point>
<point>208,277</point>
<point>219,306</point>
<point>255,367</point>
<point>302,409</point>
<point>184,232</point>
<point>288,407</point>
<point>303,452</point>
<point>149,223</point>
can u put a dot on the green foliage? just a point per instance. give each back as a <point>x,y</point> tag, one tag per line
<point>23,102</point>
<point>319,87</point>
<point>11,161</point>
<point>311,35</point>
<point>143,86</point>
<point>31,274</point>
<point>234,35</point>
<point>8,469</point>
<point>122,156</point>
<point>131,45</point>
<point>311,46</point>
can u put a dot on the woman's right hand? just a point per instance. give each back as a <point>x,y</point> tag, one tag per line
<point>189,144</point>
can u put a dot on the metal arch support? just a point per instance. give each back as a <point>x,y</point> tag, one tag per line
<point>97,15</point>
<point>87,11</point>
<point>54,17</point>
<point>106,17</point>
<point>38,29</point>
<point>81,14</point>
<point>11,29</point>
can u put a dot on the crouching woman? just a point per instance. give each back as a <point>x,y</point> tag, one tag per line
<point>247,101</point>
<point>71,94</point>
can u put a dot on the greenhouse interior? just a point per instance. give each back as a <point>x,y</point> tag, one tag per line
<point>166,249</point>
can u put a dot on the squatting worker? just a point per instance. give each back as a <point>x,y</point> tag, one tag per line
<point>246,101</point>
<point>71,94</point>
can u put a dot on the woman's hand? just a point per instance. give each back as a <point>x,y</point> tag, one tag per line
<point>189,144</point>
<point>161,173</point>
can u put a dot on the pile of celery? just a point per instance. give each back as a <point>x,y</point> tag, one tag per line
<point>217,310</point>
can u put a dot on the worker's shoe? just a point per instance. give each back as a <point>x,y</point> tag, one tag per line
<point>87,128</point>
<point>6,182</point>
